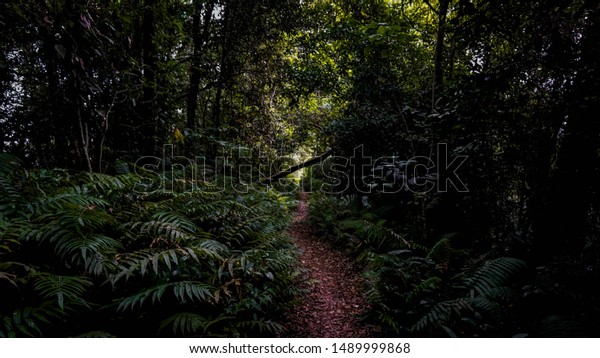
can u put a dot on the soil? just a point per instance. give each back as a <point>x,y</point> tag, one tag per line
<point>334,302</point>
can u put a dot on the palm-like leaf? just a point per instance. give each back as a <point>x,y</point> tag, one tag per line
<point>147,260</point>
<point>187,323</point>
<point>486,286</point>
<point>183,291</point>
<point>64,289</point>
<point>493,274</point>
<point>27,321</point>
<point>207,249</point>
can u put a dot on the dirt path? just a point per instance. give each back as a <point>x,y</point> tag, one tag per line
<point>334,300</point>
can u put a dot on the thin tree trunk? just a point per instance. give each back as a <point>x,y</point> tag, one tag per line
<point>42,143</point>
<point>438,68</point>
<point>438,72</point>
<point>223,66</point>
<point>200,36</point>
<point>84,137</point>
<point>148,118</point>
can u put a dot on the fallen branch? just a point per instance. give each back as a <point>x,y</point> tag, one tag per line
<point>295,168</point>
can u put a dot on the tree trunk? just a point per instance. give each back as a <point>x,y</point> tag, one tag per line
<point>564,226</point>
<point>54,112</point>
<point>223,64</point>
<point>147,121</point>
<point>200,36</point>
<point>438,68</point>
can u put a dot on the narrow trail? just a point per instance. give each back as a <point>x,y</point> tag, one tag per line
<point>331,307</point>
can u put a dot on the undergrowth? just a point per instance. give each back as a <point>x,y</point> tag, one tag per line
<point>443,288</point>
<point>96,255</point>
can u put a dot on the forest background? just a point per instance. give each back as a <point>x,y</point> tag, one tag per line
<point>104,231</point>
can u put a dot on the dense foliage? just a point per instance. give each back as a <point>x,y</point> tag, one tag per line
<point>92,254</point>
<point>464,176</point>
<point>510,91</point>
<point>446,288</point>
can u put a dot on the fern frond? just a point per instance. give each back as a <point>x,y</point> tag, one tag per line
<point>8,164</point>
<point>389,320</point>
<point>27,321</point>
<point>493,274</point>
<point>428,284</point>
<point>8,190</point>
<point>209,248</point>
<point>177,220</point>
<point>145,260</point>
<point>71,240</point>
<point>192,290</point>
<point>251,230</point>
<point>441,252</point>
<point>170,225</point>
<point>262,326</point>
<point>103,183</point>
<point>86,246</point>
<point>441,313</point>
<point>560,326</point>
<point>372,234</point>
<point>64,289</point>
<point>139,298</point>
<point>9,233</point>
<point>185,323</point>
<point>59,202</point>
<point>486,307</point>
<point>10,195</point>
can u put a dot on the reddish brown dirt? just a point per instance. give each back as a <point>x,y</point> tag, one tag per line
<point>334,300</point>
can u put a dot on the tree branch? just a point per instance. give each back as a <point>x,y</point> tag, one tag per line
<point>431,7</point>
<point>295,168</point>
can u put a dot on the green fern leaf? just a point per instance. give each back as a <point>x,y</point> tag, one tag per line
<point>65,289</point>
<point>493,274</point>
<point>28,320</point>
<point>184,323</point>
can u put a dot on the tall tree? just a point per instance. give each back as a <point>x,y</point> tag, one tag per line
<point>201,20</point>
<point>442,14</point>
<point>573,188</point>
<point>148,118</point>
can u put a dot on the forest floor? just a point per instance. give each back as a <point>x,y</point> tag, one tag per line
<point>335,300</point>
